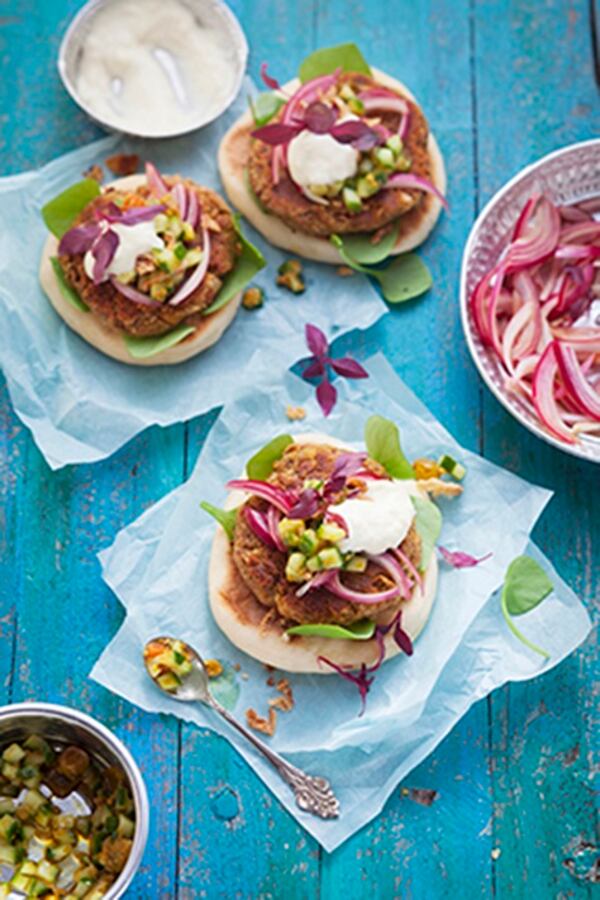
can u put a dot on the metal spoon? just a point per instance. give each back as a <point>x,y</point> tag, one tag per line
<point>313,794</point>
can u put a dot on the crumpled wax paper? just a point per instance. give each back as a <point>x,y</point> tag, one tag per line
<point>157,566</point>
<point>80,405</point>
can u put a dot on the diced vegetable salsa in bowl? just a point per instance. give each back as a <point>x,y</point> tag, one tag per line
<point>66,821</point>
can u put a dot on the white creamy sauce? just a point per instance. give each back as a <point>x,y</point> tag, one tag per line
<point>152,67</point>
<point>378,519</point>
<point>320,159</point>
<point>134,240</point>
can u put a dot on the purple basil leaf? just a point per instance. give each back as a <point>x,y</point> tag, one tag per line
<point>314,370</point>
<point>402,638</point>
<point>461,560</point>
<point>134,215</point>
<point>362,681</point>
<point>348,464</point>
<point>326,396</point>
<point>271,83</point>
<point>335,484</point>
<point>306,506</point>
<point>348,367</point>
<point>103,252</point>
<point>367,141</point>
<point>319,118</point>
<point>277,133</point>
<point>357,133</point>
<point>78,239</point>
<point>316,341</point>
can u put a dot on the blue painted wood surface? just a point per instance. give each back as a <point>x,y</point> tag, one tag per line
<point>502,83</point>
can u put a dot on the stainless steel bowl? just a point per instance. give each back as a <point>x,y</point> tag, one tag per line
<point>62,724</point>
<point>566,176</point>
<point>218,14</point>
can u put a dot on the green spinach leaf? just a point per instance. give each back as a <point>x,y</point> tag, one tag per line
<point>225,517</point>
<point>60,213</point>
<point>361,249</point>
<point>428,523</point>
<point>346,57</point>
<point>382,440</point>
<point>404,278</point>
<point>248,264</point>
<point>265,106</point>
<point>525,586</point>
<point>69,293</point>
<point>144,347</point>
<point>359,631</point>
<point>261,464</point>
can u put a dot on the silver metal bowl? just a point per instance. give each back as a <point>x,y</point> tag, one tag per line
<point>566,176</point>
<point>65,725</point>
<point>213,11</point>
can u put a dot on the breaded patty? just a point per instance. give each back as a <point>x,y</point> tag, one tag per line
<point>263,569</point>
<point>288,203</point>
<point>126,315</point>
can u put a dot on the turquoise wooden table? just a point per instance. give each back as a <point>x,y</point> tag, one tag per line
<point>502,83</point>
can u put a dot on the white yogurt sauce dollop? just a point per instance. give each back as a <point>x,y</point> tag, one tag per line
<point>378,519</point>
<point>320,159</point>
<point>153,67</point>
<point>134,240</point>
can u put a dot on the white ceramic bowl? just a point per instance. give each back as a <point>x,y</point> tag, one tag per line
<point>566,176</point>
<point>65,725</point>
<point>213,11</point>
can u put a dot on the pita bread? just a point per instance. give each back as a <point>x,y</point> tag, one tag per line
<point>234,153</point>
<point>245,622</point>
<point>109,341</point>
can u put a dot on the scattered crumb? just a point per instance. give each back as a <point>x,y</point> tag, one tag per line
<point>253,298</point>
<point>345,271</point>
<point>265,726</point>
<point>286,702</point>
<point>94,172</point>
<point>290,276</point>
<point>123,163</point>
<point>236,667</point>
<point>295,413</point>
<point>213,668</point>
<point>268,667</point>
<point>438,487</point>
<point>496,852</point>
<point>244,676</point>
<point>270,681</point>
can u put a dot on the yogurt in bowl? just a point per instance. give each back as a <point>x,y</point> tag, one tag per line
<point>160,72</point>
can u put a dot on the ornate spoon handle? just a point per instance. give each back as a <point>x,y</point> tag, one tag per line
<point>313,794</point>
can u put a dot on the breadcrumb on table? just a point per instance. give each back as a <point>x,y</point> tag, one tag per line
<point>286,702</point>
<point>258,723</point>
<point>295,413</point>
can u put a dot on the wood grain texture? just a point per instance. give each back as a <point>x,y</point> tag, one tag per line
<point>501,83</point>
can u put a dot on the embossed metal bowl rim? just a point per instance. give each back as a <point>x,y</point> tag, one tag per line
<point>70,46</point>
<point>486,361</point>
<point>62,722</point>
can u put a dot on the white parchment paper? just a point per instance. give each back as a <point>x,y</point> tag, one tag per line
<point>157,566</point>
<point>81,406</point>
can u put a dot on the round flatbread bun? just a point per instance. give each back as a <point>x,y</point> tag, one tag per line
<point>244,620</point>
<point>234,153</point>
<point>110,341</point>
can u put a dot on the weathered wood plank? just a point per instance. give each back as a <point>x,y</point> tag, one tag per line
<point>541,730</point>
<point>235,839</point>
<point>411,850</point>
<point>56,523</point>
<point>65,518</point>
